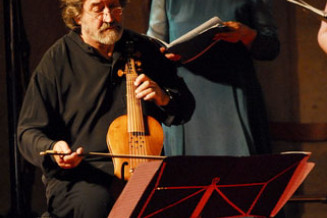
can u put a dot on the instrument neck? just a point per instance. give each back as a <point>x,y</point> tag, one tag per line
<point>134,105</point>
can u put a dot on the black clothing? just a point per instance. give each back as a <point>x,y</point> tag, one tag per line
<point>74,95</point>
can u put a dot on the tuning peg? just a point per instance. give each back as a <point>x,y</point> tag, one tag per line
<point>138,63</point>
<point>120,73</point>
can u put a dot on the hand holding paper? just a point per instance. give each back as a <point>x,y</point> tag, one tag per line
<point>195,42</point>
<point>238,32</point>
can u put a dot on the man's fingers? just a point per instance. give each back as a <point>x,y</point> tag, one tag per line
<point>144,93</point>
<point>79,150</point>
<point>141,78</point>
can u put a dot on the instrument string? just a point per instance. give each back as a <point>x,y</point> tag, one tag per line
<point>136,124</point>
<point>130,113</point>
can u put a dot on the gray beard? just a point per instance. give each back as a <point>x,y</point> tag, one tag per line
<point>107,37</point>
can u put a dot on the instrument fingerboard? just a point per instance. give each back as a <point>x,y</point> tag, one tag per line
<point>134,105</point>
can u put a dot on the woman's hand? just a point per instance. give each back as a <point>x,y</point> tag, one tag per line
<point>238,32</point>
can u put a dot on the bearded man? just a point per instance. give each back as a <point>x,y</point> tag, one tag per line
<point>75,94</point>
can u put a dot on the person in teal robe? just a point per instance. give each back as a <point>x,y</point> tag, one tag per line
<point>230,116</point>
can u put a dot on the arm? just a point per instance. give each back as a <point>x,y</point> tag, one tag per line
<point>181,104</point>
<point>178,102</point>
<point>33,123</point>
<point>38,125</point>
<point>158,23</point>
<point>257,33</point>
<point>266,44</point>
<point>322,35</point>
<point>165,89</point>
<point>173,101</point>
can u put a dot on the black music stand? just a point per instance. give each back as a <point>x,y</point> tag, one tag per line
<point>207,186</point>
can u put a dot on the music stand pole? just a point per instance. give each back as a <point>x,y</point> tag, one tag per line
<point>308,199</point>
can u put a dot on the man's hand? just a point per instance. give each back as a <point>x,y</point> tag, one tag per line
<point>71,159</point>
<point>238,32</point>
<point>149,90</point>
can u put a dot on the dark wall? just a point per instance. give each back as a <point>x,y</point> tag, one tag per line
<point>4,149</point>
<point>43,25</point>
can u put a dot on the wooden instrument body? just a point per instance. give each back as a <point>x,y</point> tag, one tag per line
<point>123,142</point>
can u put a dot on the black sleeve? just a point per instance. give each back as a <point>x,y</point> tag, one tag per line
<point>181,105</point>
<point>34,120</point>
<point>266,45</point>
<point>164,72</point>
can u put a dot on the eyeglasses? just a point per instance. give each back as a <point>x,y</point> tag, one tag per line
<point>115,12</point>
